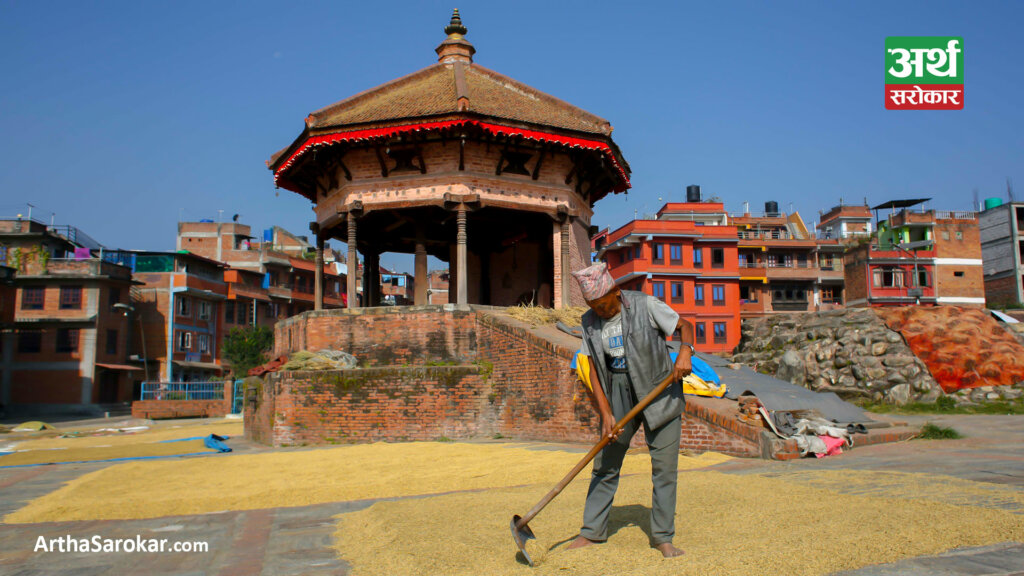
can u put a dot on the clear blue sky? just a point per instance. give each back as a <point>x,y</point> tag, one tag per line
<point>121,116</point>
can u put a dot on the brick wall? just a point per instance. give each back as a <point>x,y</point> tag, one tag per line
<point>160,409</point>
<point>1001,290</point>
<point>497,377</point>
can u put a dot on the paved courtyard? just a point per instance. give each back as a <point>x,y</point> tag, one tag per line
<point>301,540</point>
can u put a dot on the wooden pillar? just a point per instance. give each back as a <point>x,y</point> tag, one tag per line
<point>318,274</point>
<point>422,281</point>
<point>563,260</point>
<point>460,256</point>
<point>353,263</point>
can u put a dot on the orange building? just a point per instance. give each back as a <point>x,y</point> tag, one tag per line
<point>691,267</point>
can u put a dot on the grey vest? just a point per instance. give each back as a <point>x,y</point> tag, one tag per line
<point>647,358</point>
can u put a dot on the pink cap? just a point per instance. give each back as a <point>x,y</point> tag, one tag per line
<point>595,281</point>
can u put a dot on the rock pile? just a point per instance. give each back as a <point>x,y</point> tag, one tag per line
<point>850,352</point>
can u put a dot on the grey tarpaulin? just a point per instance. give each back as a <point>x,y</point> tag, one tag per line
<point>777,394</point>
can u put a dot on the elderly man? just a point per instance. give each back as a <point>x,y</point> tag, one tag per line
<point>624,334</point>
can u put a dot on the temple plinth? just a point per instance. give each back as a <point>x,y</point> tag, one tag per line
<point>464,164</point>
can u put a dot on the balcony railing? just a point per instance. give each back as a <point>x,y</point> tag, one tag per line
<point>952,215</point>
<point>183,391</point>
<point>765,235</point>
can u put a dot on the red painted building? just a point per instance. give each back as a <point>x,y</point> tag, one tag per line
<point>691,267</point>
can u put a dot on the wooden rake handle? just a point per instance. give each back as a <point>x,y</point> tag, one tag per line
<point>593,452</point>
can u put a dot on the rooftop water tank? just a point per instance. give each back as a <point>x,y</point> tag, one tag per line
<point>991,203</point>
<point>693,193</point>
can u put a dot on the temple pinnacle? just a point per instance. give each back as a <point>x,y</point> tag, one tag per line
<point>455,26</point>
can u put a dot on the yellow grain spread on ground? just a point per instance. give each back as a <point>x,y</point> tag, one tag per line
<point>104,453</point>
<point>727,524</point>
<point>157,433</point>
<point>151,489</point>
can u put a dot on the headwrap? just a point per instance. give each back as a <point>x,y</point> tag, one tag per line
<point>595,281</point>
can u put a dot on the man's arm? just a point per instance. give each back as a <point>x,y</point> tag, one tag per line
<point>600,401</point>
<point>683,365</point>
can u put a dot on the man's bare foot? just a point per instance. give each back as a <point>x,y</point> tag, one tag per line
<point>668,550</point>
<point>580,542</point>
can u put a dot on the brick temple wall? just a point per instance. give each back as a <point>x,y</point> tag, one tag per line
<point>434,374</point>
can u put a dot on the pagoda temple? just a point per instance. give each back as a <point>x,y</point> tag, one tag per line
<point>460,162</point>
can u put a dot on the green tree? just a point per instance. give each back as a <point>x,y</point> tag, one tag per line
<point>247,347</point>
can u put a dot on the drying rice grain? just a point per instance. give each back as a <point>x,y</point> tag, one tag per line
<point>727,524</point>
<point>151,489</point>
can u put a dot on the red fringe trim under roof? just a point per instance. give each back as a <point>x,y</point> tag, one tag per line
<point>496,129</point>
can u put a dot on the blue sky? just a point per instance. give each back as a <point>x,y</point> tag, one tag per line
<point>120,117</point>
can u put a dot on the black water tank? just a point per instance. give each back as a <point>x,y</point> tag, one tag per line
<point>693,193</point>
<point>771,208</point>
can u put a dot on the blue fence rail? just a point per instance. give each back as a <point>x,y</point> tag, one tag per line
<point>183,391</point>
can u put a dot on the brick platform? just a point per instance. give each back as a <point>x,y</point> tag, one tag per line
<point>430,374</point>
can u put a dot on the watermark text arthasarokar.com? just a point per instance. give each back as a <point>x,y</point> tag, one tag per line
<point>97,544</point>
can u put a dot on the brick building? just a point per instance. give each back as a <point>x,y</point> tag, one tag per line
<point>1002,248</point>
<point>67,346</point>
<point>785,268</point>
<point>691,267</point>
<point>919,257</point>
<point>845,223</point>
<point>490,175</point>
<point>274,275</point>
<point>437,292</point>
<point>181,300</point>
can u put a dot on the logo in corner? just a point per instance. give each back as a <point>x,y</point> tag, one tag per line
<point>924,73</point>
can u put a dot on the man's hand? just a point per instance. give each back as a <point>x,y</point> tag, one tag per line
<point>683,367</point>
<point>607,425</point>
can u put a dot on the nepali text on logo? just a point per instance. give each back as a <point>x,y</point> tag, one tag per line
<point>924,73</point>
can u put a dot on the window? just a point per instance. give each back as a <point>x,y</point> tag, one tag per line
<point>698,257</point>
<point>718,295</point>
<point>945,234</point>
<point>700,335</point>
<point>675,253</point>
<point>677,292</point>
<point>67,340</point>
<point>70,297</point>
<point>184,306</point>
<point>184,341</point>
<point>30,341</point>
<point>114,297</point>
<point>720,333</point>
<point>827,261</point>
<point>780,260</point>
<point>801,260</point>
<point>959,235</point>
<point>32,298</point>
<point>111,341</point>
<point>204,343</point>
<point>887,277</point>
<point>205,309</point>
<point>830,295</point>
<point>637,251</point>
<point>658,253</point>
<point>747,294</point>
<point>246,309</point>
<point>958,274</point>
<point>698,295</point>
<point>921,278</point>
<point>229,311</point>
<point>717,257</point>
<point>658,290</point>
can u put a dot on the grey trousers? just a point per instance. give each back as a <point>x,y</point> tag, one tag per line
<point>663,444</point>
